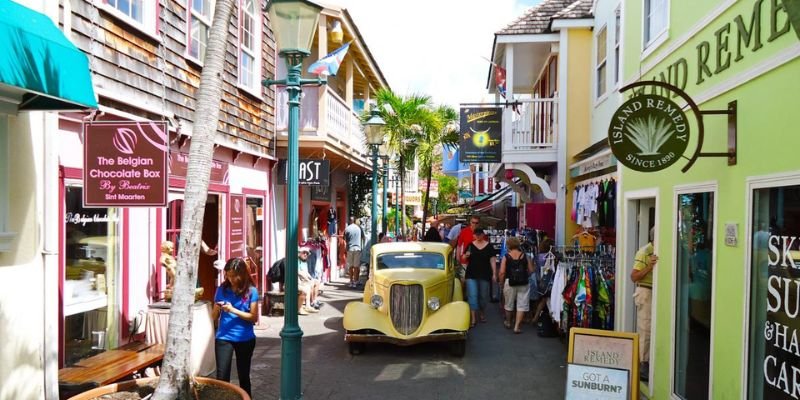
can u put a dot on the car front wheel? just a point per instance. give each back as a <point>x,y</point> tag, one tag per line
<point>458,348</point>
<point>356,348</point>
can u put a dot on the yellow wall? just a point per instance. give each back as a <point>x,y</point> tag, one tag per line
<point>578,96</point>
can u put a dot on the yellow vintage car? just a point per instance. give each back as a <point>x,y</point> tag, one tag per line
<point>412,296</point>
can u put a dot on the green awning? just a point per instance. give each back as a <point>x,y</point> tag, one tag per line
<point>38,59</point>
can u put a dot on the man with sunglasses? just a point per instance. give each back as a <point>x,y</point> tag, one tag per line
<point>465,238</point>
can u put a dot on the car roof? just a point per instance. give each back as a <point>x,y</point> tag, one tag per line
<point>411,246</point>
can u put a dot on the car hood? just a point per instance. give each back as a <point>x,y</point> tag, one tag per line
<point>426,277</point>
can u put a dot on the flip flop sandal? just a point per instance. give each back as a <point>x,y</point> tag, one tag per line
<point>507,324</point>
<point>517,331</point>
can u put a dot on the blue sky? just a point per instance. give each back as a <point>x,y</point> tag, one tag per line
<point>434,47</point>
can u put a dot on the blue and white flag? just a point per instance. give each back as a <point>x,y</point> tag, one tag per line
<point>329,64</point>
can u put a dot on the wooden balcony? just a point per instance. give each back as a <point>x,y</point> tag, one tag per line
<point>530,133</point>
<point>329,127</point>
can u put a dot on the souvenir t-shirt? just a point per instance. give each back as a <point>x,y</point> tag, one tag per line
<point>231,327</point>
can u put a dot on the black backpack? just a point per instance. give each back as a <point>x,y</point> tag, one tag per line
<point>275,273</point>
<point>517,270</point>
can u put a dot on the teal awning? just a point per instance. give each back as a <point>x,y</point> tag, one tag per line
<point>38,59</point>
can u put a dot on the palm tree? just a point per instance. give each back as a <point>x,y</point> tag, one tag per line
<point>441,129</point>
<point>404,117</point>
<point>174,382</point>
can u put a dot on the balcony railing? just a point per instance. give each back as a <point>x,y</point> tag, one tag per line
<point>533,124</point>
<point>341,123</point>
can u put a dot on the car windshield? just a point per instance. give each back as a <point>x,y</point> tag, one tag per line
<point>411,260</point>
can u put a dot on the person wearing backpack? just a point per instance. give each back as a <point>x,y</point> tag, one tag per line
<point>515,268</point>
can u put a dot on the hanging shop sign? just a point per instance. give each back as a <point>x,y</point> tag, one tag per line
<point>650,132</point>
<point>413,199</point>
<point>125,164</point>
<point>236,239</point>
<point>481,133</point>
<point>606,349</point>
<point>321,193</point>
<point>593,383</point>
<point>312,172</point>
<point>179,164</point>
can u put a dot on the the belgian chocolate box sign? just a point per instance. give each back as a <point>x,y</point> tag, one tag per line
<point>125,164</point>
<point>648,133</point>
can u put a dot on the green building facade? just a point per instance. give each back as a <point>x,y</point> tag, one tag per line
<point>726,288</point>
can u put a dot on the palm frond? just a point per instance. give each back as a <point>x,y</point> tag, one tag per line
<point>648,135</point>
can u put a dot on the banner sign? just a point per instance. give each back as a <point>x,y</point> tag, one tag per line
<point>648,133</point>
<point>413,199</point>
<point>236,239</point>
<point>125,164</point>
<point>609,350</point>
<point>596,383</point>
<point>481,133</point>
<point>179,164</point>
<point>312,172</point>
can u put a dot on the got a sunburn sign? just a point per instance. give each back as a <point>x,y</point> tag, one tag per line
<point>648,133</point>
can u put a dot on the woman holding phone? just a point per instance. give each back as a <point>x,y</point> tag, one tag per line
<point>236,306</point>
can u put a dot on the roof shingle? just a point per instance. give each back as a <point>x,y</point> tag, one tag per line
<point>578,9</point>
<point>537,18</point>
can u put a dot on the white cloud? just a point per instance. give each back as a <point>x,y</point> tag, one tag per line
<point>434,47</point>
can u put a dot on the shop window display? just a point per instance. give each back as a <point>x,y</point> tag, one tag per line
<point>91,261</point>
<point>774,355</point>
<point>693,295</point>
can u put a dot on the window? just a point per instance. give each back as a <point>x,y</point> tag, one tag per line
<point>655,20</point>
<point>249,46</point>
<point>617,32</point>
<point>91,251</point>
<point>141,14</point>
<point>411,260</point>
<point>694,277</point>
<point>600,62</point>
<point>200,16</point>
<point>774,300</point>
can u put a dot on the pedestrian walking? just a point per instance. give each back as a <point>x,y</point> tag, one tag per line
<point>236,310</point>
<point>642,275</point>
<point>481,269</point>
<point>353,236</point>
<point>515,269</point>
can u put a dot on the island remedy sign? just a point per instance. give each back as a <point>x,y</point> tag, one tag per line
<point>648,133</point>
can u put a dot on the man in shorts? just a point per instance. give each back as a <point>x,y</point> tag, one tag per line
<point>353,237</point>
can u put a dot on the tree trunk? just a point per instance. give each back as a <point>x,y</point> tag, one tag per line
<point>403,196</point>
<point>175,381</point>
<point>427,199</point>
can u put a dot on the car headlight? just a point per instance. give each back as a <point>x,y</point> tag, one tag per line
<point>433,303</point>
<point>376,301</point>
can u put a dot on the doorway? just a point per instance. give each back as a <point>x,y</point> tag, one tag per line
<point>206,273</point>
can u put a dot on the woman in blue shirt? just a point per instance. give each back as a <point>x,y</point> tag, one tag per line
<point>236,306</point>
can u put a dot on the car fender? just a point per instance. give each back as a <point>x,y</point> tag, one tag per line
<point>458,291</point>
<point>358,315</point>
<point>452,316</point>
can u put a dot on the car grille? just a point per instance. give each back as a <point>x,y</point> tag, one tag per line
<point>406,307</point>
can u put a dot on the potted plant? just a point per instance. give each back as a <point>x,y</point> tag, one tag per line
<point>205,388</point>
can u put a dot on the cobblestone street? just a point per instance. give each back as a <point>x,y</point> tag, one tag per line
<point>497,364</point>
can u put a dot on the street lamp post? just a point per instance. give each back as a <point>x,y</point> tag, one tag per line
<point>385,160</point>
<point>373,129</point>
<point>294,23</point>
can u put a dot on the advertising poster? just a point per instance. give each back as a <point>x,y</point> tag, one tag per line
<point>596,383</point>
<point>236,227</point>
<point>481,132</point>
<point>775,294</point>
<point>125,164</point>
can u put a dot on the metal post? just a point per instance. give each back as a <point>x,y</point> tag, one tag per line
<point>397,205</point>
<point>291,334</point>
<point>385,190</point>
<point>374,217</point>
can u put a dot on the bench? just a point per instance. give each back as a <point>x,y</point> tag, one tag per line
<point>109,366</point>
